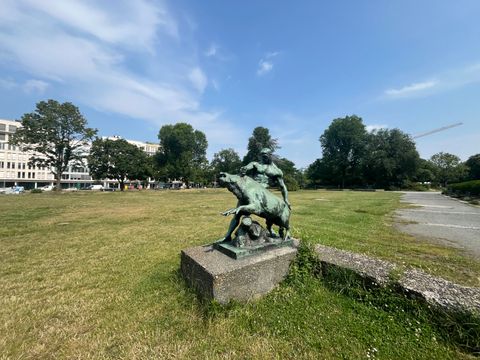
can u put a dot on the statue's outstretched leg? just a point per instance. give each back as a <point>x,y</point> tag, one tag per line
<point>233,225</point>
<point>285,232</point>
<point>271,233</point>
<point>238,211</point>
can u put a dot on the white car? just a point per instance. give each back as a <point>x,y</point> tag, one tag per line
<point>47,188</point>
<point>95,187</point>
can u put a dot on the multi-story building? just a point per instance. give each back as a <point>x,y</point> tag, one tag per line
<point>14,167</point>
<point>15,170</point>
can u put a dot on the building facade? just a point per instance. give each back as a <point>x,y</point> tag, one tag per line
<point>15,170</point>
<point>14,167</point>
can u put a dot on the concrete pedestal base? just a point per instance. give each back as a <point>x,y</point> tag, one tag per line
<point>215,275</point>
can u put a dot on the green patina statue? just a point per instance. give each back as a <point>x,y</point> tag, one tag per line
<point>266,173</point>
<point>250,188</point>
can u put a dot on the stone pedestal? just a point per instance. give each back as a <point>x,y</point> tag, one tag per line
<point>217,276</point>
<point>240,252</point>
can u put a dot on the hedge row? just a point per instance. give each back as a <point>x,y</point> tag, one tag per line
<point>465,188</point>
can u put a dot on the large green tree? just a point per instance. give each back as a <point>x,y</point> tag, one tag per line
<point>343,146</point>
<point>57,134</point>
<point>182,153</point>
<point>260,139</point>
<point>119,160</point>
<point>425,171</point>
<point>448,168</point>
<point>473,164</point>
<point>226,160</point>
<point>390,160</point>
<point>292,176</point>
<point>318,174</point>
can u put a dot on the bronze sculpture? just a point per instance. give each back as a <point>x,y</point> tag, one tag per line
<point>250,188</point>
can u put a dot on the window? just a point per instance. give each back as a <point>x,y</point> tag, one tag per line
<point>3,127</point>
<point>13,165</point>
<point>23,175</point>
<point>2,164</point>
<point>8,164</point>
<point>2,137</point>
<point>33,175</point>
<point>29,175</point>
<point>12,128</point>
<point>19,175</point>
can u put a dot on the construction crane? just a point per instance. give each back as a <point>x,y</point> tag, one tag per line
<point>436,130</point>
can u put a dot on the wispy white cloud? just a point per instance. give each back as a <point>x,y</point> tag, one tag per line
<point>198,79</point>
<point>211,50</point>
<point>411,89</point>
<point>375,127</point>
<point>96,19</point>
<point>272,54</point>
<point>444,81</point>
<point>8,84</point>
<point>215,84</point>
<point>265,65</point>
<point>29,86</point>
<point>35,86</point>
<point>82,49</point>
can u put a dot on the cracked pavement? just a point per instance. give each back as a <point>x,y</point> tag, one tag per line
<point>441,219</point>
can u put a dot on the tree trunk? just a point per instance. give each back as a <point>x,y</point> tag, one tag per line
<point>58,180</point>
<point>122,185</point>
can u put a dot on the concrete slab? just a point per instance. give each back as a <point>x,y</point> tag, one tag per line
<point>217,276</point>
<point>436,291</point>
<point>374,270</point>
<point>442,220</point>
<point>441,292</point>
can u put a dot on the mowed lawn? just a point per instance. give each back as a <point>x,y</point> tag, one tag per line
<point>95,275</point>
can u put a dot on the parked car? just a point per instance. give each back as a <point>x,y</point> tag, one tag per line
<point>95,187</point>
<point>18,189</point>
<point>47,188</point>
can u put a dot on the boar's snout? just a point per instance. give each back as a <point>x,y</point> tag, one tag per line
<point>223,178</point>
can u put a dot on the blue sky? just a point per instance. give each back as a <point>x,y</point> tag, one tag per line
<point>226,67</point>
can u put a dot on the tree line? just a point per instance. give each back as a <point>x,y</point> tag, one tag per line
<point>351,156</point>
<point>384,158</point>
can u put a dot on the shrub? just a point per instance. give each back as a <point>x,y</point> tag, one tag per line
<point>418,187</point>
<point>465,188</point>
<point>291,183</point>
<point>36,191</point>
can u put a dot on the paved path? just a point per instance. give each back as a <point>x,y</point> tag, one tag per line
<point>443,219</point>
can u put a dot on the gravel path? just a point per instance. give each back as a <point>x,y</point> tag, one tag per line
<point>442,219</point>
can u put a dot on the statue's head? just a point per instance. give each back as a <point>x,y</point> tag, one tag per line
<point>225,178</point>
<point>266,155</point>
<point>231,182</point>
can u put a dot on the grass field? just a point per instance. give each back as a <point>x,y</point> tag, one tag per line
<point>95,275</point>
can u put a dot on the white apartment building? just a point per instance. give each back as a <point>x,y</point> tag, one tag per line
<point>14,168</point>
<point>148,147</point>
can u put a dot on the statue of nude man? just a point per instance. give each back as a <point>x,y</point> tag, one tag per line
<point>266,173</point>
